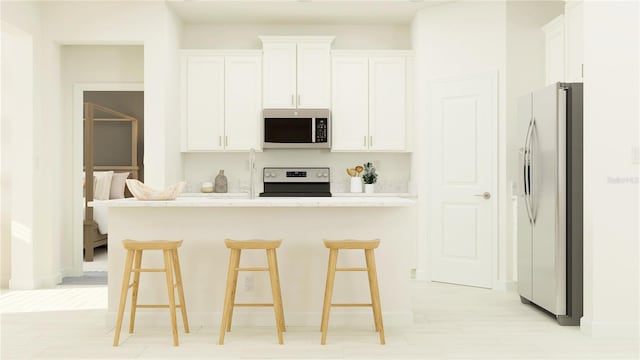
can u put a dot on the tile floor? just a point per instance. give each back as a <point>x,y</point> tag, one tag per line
<point>451,322</point>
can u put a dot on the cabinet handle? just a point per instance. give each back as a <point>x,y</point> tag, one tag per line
<point>364,138</point>
<point>226,141</point>
<point>581,70</point>
<point>292,100</point>
<point>220,140</point>
<point>370,140</point>
<point>298,99</point>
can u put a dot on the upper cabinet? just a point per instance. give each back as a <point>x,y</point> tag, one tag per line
<point>369,101</point>
<point>574,41</point>
<point>297,71</point>
<point>564,43</point>
<point>221,100</point>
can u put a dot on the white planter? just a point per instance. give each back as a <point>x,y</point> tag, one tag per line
<point>356,184</point>
<point>368,188</point>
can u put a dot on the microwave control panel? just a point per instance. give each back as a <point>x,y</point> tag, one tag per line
<point>321,130</point>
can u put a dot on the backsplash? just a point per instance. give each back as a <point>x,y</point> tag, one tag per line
<point>394,169</point>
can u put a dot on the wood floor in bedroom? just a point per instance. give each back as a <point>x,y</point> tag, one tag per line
<point>451,322</point>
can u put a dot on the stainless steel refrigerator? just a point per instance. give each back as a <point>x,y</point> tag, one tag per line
<point>550,201</point>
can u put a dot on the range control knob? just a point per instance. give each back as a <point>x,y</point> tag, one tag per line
<point>319,174</point>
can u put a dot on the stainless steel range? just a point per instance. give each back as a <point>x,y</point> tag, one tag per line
<point>290,182</point>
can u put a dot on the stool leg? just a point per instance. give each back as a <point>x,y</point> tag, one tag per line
<point>228,294</point>
<point>123,295</point>
<point>178,272</point>
<point>172,301</point>
<point>275,291</point>
<point>275,257</point>
<point>235,287</point>
<point>375,292</point>
<point>328,293</point>
<point>137,263</point>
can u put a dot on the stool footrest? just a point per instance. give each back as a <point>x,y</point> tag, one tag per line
<point>155,306</point>
<point>252,269</point>
<point>252,305</point>
<point>351,305</point>
<point>352,269</point>
<point>149,270</point>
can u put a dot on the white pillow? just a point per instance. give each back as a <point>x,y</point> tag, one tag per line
<point>117,185</point>
<point>102,184</point>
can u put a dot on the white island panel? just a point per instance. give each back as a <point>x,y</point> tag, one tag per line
<point>302,259</point>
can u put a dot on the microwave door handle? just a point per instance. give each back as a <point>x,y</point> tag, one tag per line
<point>313,129</point>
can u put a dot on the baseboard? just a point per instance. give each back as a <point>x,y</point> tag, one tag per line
<point>4,281</point>
<point>43,282</point>
<point>71,272</point>
<point>421,275</point>
<point>602,329</point>
<point>258,317</point>
<point>505,285</point>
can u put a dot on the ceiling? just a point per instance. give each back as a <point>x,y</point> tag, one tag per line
<point>299,11</point>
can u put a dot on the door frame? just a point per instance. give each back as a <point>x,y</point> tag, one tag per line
<point>77,245</point>
<point>428,186</point>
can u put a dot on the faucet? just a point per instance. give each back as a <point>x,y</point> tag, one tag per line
<point>252,168</point>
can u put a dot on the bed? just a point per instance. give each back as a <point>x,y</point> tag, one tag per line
<point>108,180</point>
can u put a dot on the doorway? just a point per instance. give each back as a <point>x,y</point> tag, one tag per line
<point>112,147</point>
<point>463,180</point>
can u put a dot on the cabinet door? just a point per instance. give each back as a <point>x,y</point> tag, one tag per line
<point>243,102</point>
<point>314,75</point>
<point>279,75</point>
<point>350,103</point>
<point>204,103</point>
<point>387,103</point>
<point>554,50</point>
<point>574,41</point>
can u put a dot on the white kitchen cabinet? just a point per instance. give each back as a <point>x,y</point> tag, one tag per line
<point>297,71</point>
<point>203,100</point>
<point>369,102</point>
<point>387,103</point>
<point>221,101</point>
<point>554,50</point>
<point>574,41</point>
<point>350,103</point>
<point>243,102</point>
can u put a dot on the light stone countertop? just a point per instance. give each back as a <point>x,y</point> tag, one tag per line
<point>242,201</point>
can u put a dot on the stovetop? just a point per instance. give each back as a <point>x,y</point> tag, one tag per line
<point>296,182</point>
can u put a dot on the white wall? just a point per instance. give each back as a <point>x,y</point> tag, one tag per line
<point>246,36</point>
<point>452,40</point>
<point>611,170</point>
<point>525,72</point>
<point>86,64</point>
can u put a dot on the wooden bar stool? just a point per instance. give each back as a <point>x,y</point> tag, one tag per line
<point>133,264</point>
<point>367,246</point>
<point>236,247</point>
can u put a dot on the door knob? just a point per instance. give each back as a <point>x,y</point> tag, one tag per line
<point>485,195</point>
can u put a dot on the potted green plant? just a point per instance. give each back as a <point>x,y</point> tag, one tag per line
<point>369,177</point>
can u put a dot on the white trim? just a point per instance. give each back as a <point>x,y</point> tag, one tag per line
<point>609,329</point>
<point>76,165</point>
<point>219,52</point>
<point>505,285</point>
<point>296,39</point>
<point>369,53</point>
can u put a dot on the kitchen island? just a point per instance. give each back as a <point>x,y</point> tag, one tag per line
<point>302,223</point>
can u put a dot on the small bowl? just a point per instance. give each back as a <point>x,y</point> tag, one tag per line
<point>143,192</point>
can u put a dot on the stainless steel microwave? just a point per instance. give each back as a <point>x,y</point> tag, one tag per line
<point>296,129</point>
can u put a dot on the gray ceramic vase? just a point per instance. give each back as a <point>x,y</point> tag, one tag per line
<point>221,182</point>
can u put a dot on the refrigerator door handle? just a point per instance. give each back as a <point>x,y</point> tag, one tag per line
<point>532,174</point>
<point>526,160</point>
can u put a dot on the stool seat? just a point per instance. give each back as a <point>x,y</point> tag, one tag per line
<point>352,244</point>
<point>236,247</point>
<point>151,245</point>
<point>252,244</point>
<point>133,264</point>
<point>367,245</point>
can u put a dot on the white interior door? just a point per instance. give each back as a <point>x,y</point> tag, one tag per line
<point>462,176</point>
